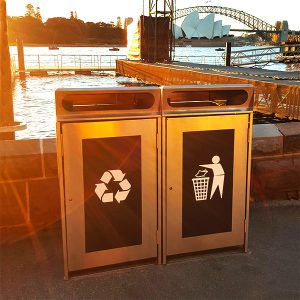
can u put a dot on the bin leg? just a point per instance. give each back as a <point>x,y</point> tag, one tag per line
<point>159,196</point>
<point>163,191</point>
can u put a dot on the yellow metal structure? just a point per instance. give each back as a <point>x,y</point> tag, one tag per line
<point>108,140</point>
<point>130,170</point>
<point>175,127</point>
<point>269,96</point>
<point>205,115</point>
<point>73,134</point>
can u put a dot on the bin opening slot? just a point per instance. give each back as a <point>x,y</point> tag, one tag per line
<point>207,98</point>
<point>108,101</point>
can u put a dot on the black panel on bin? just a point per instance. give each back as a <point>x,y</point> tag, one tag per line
<point>207,165</point>
<point>113,214</point>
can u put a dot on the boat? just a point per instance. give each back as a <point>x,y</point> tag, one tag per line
<point>53,47</point>
<point>114,49</point>
<point>220,49</point>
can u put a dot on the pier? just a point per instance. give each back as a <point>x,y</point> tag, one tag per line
<point>266,55</point>
<point>42,64</point>
<point>276,92</point>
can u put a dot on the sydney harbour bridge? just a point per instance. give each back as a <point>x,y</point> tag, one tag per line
<point>277,33</point>
<point>262,28</point>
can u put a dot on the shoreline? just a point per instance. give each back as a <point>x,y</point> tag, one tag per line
<point>123,46</point>
<point>70,45</point>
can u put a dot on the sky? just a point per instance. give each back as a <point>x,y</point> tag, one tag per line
<point>109,10</point>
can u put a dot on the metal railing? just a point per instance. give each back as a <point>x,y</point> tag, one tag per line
<point>260,55</point>
<point>250,57</point>
<point>62,62</point>
<point>282,99</point>
<point>201,59</point>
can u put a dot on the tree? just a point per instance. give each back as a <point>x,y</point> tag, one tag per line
<point>73,15</point>
<point>29,29</point>
<point>64,30</point>
<point>127,22</point>
<point>29,10</point>
<point>34,13</point>
<point>38,14</point>
<point>106,25</point>
<point>119,22</point>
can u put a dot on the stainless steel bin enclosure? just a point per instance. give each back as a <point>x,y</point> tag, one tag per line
<point>206,134</point>
<point>108,170</point>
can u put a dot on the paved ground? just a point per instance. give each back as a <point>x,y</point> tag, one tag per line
<point>32,268</point>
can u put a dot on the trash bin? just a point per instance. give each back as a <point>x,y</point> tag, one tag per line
<point>206,142</point>
<point>108,170</point>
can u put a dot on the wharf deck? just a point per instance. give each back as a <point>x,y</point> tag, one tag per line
<point>68,69</point>
<point>276,92</point>
<point>284,77</point>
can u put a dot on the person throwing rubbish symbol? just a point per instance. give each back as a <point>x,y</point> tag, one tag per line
<point>219,174</point>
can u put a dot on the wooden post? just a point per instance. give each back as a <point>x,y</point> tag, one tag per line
<point>21,61</point>
<point>228,54</point>
<point>6,100</point>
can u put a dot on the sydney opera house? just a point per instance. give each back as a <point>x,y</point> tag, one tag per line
<point>196,31</point>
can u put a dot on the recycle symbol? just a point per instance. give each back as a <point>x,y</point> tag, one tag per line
<point>124,186</point>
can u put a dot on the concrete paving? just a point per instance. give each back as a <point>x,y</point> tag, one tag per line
<point>32,268</point>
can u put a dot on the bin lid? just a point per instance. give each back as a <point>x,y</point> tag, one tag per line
<point>116,102</point>
<point>189,99</point>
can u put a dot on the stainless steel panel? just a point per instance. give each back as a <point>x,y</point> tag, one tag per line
<point>173,132</point>
<point>209,99</point>
<point>74,134</point>
<point>118,102</point>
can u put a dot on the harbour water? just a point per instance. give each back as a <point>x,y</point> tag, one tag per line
<point>34,97</point>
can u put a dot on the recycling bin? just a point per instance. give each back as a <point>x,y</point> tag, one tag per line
<point>108,158</point>
<point>206,155</point>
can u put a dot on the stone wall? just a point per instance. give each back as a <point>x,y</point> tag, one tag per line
<point>276,161</point>
<point>29,191</point>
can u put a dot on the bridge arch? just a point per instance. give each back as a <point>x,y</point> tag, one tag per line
<point>249,20</point>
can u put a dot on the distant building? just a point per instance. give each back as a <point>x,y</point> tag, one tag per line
<point>193,27</point>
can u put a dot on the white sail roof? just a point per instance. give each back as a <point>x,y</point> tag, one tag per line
<point>191,20</point>
<point>188,30</point>
<point>217,29</point>
<point>190,24</point>
<point>225,29</point>
<point>177,31</point>
<point>193,27</point>
<point>206,26</point>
